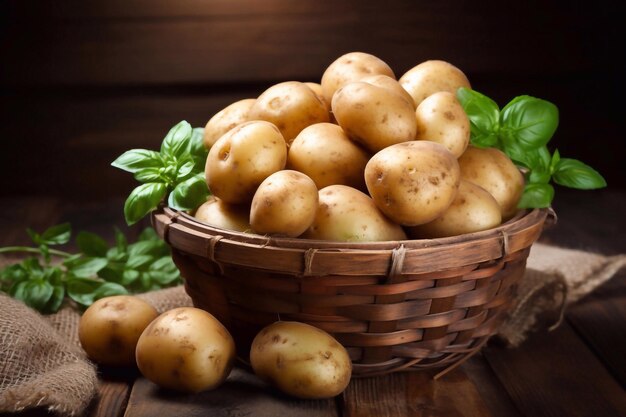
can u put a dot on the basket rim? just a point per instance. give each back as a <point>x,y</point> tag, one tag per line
<point>308,257</point>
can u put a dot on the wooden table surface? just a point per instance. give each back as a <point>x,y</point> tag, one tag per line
<point>578,369</point>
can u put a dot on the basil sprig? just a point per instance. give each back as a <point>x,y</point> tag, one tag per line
<point>177,169</point>
<point>522,129</point>
<point>96,271</point>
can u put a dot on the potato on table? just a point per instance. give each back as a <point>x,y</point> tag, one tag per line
<point>301,360</point>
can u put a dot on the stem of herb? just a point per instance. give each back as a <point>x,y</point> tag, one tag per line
<point>27,249</point>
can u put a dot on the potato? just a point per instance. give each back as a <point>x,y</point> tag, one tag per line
<point>109,329</point>
<point>317,89</point>
<point>472,210</point>
<point>430,77</point>
<point>291,106</point>
<point>413,182</point>
<point>301,360</point>
<point>186,349</point>
<point>325,153</point>
<point>351,67</point>
<point>374,116</point>
<point>390,84</point>
<point>441,118</point>
<point>226,119</point>
<point>217,213</point>
<point>242,158</point>
<point>284,204</point>
<point>495,172</point>
<point>346,214</point>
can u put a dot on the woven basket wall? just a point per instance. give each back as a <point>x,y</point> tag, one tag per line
<point>393,305</point>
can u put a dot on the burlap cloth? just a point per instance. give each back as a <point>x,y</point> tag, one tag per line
<point>42,364</point>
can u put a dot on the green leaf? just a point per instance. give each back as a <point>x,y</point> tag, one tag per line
<point>109,289</point>
<point>121,243</point>
<point>483,114</point>
<point>189,194</point>
<point>13,274</point>
<point>129,276</point>
<point>196,143</point>
<point>86,267</point>
<point>176,142</point>
<point>150,175</point>
<point>184,171</point>
<point>34,236</point>
<point>56,300</point>
<point>148,247</point>
<point>529,121</point>
<point>36,293</point>
<point>57,235</point>
<point>143,200</point>
<point>148,234</point>
<point>139,261</point>
<point>114,272</point>
<point>576,174</point>
<point>136,160</point>
<point>91,244</point>
<point>82,290</point>
<point>536,196</point>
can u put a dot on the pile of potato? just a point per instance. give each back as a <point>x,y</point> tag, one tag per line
<point>361,156</point>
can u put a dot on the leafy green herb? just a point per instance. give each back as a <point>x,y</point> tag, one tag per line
<point>522,130</point>
<point>96,271</point>
<point>177,169</point>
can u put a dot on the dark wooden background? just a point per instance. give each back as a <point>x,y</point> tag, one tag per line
<point>83,81</point>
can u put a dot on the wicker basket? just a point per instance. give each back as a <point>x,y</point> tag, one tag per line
<point>393,305</point>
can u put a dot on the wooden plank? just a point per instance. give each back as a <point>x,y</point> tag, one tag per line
<point>414,393</point>
<point>287,40</point>
<point>242,394</point>
<point>112,399</point>
<point>599,319</point>
<point>555,374</point>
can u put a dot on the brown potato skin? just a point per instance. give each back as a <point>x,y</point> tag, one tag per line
<point>109,329</point>
<point>301,360</point>
<point>224,120</point>
<point>373,116</point>
<point>432,76</point>
<point>186,349</point>
<point>291,106</point>
<point>472,210</point>
<point>325,153</point>
<point>242,158</point>
<point>351,67</point>
<point>391,84</point>
<point>284,204</point>
<point>491,169</point>
<point>441,118</point>
<point>217,213</point>
<point>345,214</point>
<point>413,182</point>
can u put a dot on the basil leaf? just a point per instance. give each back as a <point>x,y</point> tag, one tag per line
<point>114,272</point>
<point>483,114</point>
<point>176,142</point>
<point>86,267</point>
<point>143,200</point>
<point>529,121</point>
<point>91,244</point>
<point>139,261</point>
<point>138,159</point>
<point>576,174</point>
<point>82,290</point>
<point>536,196</point>
<point>57,235</point>
<point>163,277</point>
<point>129,276</point>
<point>34,236</point>
<point>189,194</point>
<point>184,171</point>
<point>196,143</point>
<point>36,293</point>
<point>149,175</point>
<point>108,289</point>
<point>147,247</point>
<point>56,300</point>
<point>121,243</point>
<point>148,234</point>
<point>13,274</point>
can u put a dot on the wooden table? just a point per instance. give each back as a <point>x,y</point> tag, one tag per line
<point>577,370</point>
